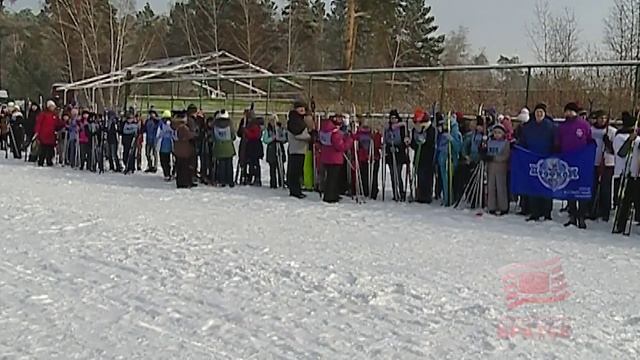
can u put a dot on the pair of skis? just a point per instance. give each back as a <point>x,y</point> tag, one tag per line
<point>622,193</point>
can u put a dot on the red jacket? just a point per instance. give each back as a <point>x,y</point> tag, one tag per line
<point>47,123</point>
<point>333,144</point>
<point>366,139</point>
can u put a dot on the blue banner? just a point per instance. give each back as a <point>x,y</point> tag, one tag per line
<point>566,176</point>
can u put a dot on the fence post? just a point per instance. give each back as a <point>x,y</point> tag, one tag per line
<point>442,80</point>
<point>526,100</point>
<point>233,100</point>
<point>310,88</point>
<point>370,95</point>
<point>636,91</point>
<point>266,106</point>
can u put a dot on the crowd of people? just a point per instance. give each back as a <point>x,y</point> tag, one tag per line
<point>428,156</point>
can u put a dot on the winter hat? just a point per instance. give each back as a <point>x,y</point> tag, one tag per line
<point>524,115</point>
<point>223,115</point>
<point>628,120</point>
<point>394,113</point>
<point>192,108</point>
<point>597,114</point>
<point>153,112</point>
<point>459,116</point>
<point>299,103</point>
<point>51,104</point>
<point>420,115</point>
<point>479,120</point>
<point>499,127</point>
<point>572,106</point>
<point>166,114</point>
<point>86,112</point>
<point>541,106</point>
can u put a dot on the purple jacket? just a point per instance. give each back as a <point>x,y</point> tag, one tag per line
<point>573,134</point>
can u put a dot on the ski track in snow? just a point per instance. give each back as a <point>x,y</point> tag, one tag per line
<point>128,267</point>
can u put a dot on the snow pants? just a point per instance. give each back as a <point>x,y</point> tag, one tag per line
<point>631,197</point>
<point>165,162</point>
<point>152,156</point>
<point>295,171</point>
<point>600,206</point>
<point>332,183</point>
<point>364,175</point>
<point>114,161</point>
<point>497,189</point>
<point>85,152</point>
<point>424,185</point>
<point>225,172</point>
<point>397,185</point>
<point>46,153</point>
<point>184,173</point>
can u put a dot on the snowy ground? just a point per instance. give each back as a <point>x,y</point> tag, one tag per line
<point>115,267</point>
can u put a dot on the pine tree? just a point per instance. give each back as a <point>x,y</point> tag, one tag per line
<point>419,42</point>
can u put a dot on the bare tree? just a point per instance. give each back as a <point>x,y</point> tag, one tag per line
<point>553,37</point>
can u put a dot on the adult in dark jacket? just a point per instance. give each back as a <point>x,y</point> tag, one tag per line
<point>538,136</point>
<point>423,143</point>
<point>113,129</point>
<point>47,124</point>
<point>30,122</point>
<point>17,133</point>
<point>254,151</point>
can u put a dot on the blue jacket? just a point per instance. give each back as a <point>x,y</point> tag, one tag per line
<point>538,138</point>
<point>150,130</point>
<point>442,149</point>
<point>165,135</point>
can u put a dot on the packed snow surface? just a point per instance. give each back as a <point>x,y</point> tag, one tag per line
<point>128,267</point>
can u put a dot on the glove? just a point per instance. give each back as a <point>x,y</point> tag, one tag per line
<point>407,140</point>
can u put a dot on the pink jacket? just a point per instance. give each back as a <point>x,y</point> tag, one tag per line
<point>333,144</point>
<point>83,136</point>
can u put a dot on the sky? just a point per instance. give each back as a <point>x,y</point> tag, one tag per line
<point>497,26</point>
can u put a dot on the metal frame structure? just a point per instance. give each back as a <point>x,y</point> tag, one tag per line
<point>199,69</point>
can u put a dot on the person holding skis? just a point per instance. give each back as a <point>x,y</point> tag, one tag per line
<point>274,136</point>
<point>299,138</point>
<point>150,133</point>
<point>16,132</point>
<point>369,146</point>
<point>627,145</point>
<point>113,130</point>
<point>497,153</point>
<point>47,124</point>
<point>573,135</point>
<point>396,140</point>
<point>334,144</point>
<point>423,143</point>
<point>224,149</point>
<point>604,135</point>
<point>628,126</point>
<point>538,136</point>
<point>447,155</point>
<point>29,129</point>
<point>130,131</point>
<point>164,144</point>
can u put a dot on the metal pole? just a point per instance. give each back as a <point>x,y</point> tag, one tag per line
<point>370,94</point>
<point>94,107</point>
<point>266,107</point>
<point>148,97</point>
<point>64,99</point>
<point>310,88</point>
<point>442,81</point>
<point>233,100</point>
<point>636,90</point>
<point>172,85</point>
<point>526,101</point>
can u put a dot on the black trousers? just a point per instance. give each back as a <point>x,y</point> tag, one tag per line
<point>165,162</point>
<point>424,186</point>
<point>631,197</point>
<point>397,185</point>
<point>600,206</point>
<point>184,173</point>
<point>276,178</point>
<point>225,172</point>
<point>364,175</point>
<point>254,175</point>
<point>295,171</point>
<point>332,183</point>
<point>46,153</point>
<point>85,151</point>
<point>578,209</point>
<point>129,155</point>
<point>539,207</point>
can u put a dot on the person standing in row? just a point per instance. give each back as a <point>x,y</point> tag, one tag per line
<point>184,151</point>
<point>47,124</point>
<point>299,138</point>
<point>572,136</point>
<point>603,134</point>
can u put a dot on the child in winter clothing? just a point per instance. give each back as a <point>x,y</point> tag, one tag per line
<point>72,140</point>
<point>112,142</point>
<point>223,149</point>
<point>369,145</point>
<point>423,143</point>
<point>396,140</point>
<point>83,139</point>
<point>498,151</point>
<point>185,152</point>
<point>627,143</point>
<point>334,144</point>
<point>447,154</point>
<point>275,136</point>
<point>164,144</point>
<point>254,151</point>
